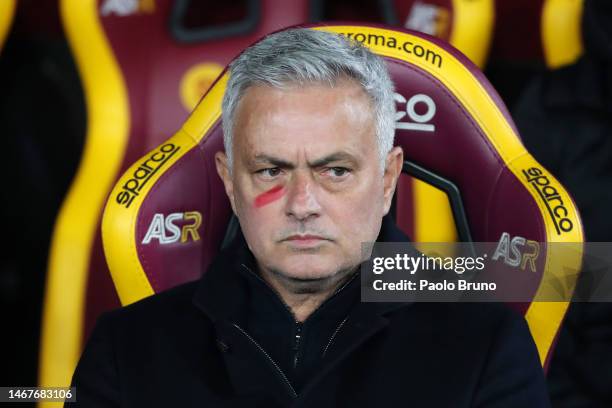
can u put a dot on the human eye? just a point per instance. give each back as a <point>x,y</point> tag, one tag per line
<point>337,173</point>
<point>269,173</point>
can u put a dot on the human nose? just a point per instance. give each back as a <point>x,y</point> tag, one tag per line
<point>302,200</point>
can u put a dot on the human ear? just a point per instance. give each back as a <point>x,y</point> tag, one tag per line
<point>224,172</point>
<point>393,169</point>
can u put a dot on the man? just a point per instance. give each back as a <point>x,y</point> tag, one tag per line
<point>276,321</point>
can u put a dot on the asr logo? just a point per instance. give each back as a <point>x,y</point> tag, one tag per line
<point>517,251</point>
<point>127,7</point>
<point>416,121</point>
<point>174,227</point>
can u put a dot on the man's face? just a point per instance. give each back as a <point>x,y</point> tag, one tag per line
<point>306,182</point>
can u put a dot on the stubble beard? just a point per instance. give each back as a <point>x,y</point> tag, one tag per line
<point>312,286</point>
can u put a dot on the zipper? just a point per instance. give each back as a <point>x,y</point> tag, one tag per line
<point>265,353</point>
<point>333,336</point>
<point>296,343</point>
<point>298,328</point>
<point>297,339</point>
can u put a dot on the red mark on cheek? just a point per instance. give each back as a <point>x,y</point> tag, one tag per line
<point>269,196</point>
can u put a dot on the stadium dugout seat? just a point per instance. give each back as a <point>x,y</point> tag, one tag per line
<point>7,11</point>
<point>144,65</point>
<point>455,132</point>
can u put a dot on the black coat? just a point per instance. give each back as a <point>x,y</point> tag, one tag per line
<point>186,348</point>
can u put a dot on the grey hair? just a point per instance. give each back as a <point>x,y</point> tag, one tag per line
<point>303,56</point>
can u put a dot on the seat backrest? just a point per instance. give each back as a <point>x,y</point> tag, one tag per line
<point>167,216</point>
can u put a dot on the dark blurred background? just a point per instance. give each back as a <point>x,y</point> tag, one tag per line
<point>549,60</point>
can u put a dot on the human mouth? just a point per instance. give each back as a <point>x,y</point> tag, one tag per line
<point>305,240</point>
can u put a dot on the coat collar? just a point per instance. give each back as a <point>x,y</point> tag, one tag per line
<point>221,291</point>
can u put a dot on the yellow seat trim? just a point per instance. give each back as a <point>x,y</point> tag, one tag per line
<point>473,28</point>
<point>74,233</point>
<point>561,32</point>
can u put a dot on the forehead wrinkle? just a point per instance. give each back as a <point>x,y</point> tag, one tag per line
<point>346,93</point>
<point>337,156</point>
<point>352,103</point>
<point>261,158</point>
